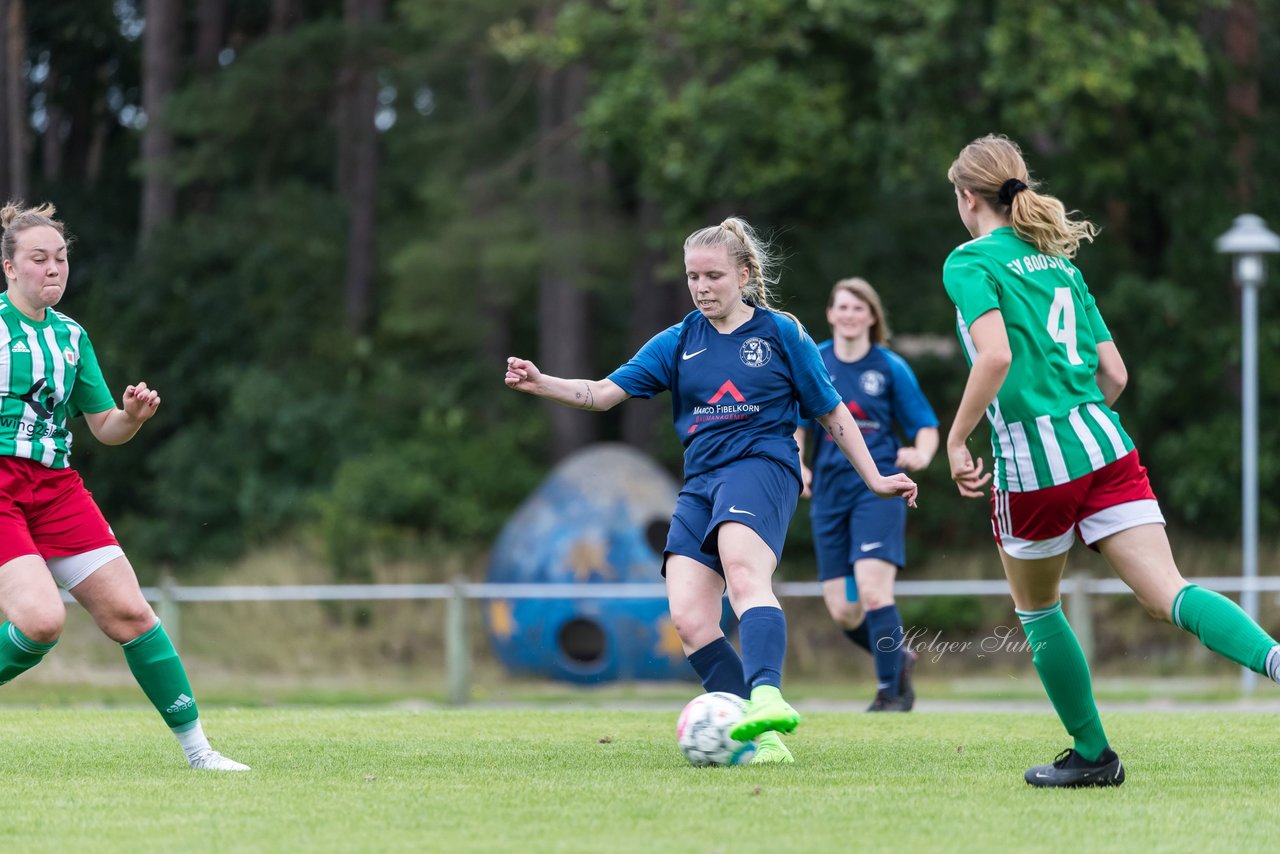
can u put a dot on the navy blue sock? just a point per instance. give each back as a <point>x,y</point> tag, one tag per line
<point>720,668</point>
<point>763,631</point>
<point>861,636</point>
<point>885,626</point>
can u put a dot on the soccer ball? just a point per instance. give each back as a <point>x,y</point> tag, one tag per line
<point>702,732</point>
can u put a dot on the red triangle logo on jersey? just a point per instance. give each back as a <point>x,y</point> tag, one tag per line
<point>730,389</point>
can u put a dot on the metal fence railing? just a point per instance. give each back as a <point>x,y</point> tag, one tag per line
<point>1077,590</point>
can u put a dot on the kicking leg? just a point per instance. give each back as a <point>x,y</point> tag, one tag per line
<point>748,569</point>
<point>1142,558</point>
<point>112,597</point>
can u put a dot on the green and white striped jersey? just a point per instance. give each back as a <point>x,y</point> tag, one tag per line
<point>1049,424</point>
<point>48,375</point>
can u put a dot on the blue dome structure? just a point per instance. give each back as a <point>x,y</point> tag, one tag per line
<point>601,516</point>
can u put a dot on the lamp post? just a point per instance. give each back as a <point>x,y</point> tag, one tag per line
<point>1247,242</point>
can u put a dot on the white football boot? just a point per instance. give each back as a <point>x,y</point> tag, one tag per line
<point>212,760</point>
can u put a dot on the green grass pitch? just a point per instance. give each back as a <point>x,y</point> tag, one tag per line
<point>533,780</point>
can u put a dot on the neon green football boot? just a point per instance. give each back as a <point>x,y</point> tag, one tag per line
<point>766,711</point>
<point>771,751</point>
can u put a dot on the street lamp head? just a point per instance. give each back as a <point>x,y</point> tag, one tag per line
<point>1247,241</point>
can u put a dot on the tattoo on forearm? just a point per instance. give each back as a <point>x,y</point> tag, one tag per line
<point>584,398</point>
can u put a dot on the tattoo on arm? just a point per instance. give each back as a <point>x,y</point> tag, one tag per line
<point>584,398</point>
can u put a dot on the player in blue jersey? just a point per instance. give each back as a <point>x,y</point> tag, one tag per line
<point>860,538</point>
<point>737,370</point>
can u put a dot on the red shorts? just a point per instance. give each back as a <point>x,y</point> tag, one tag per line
<point>1044,522</point>
<point>47,512</point>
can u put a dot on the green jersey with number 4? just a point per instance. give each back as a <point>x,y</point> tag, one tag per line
<point>48,374</point>
<point>1049,424</point>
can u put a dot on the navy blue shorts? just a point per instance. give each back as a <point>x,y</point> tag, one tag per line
<point>866,527</point>
<point>755,492</point>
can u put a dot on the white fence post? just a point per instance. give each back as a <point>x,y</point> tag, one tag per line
<point>167,610</point>
<point>457,645</point>
<point>1080,612</point>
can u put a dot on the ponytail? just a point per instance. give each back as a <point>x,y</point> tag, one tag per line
<point>993,167</point>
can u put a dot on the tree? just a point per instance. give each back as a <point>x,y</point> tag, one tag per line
<point>565,190</point>
<point>161,47</point>
<point>13,115</point>
<point>211,22</point>
<point>358,159</point>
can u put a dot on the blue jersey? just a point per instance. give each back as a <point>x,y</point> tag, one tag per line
<point>733,395</point>
<point>882,393</point>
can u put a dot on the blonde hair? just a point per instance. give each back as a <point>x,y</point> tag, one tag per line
<point>992,167</point>
<point>745,250</point>
<point>15,218</point>
<point>862,289</point>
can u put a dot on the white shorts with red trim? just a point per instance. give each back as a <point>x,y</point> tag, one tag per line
<point>1044,522</point>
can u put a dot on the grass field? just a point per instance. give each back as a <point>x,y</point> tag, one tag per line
<point>536,779</point>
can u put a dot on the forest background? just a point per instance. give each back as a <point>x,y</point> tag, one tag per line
<point>318,227</point>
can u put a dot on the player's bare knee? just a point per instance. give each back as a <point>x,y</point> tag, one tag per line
<point>848,615</point>
<point>42,624</point>
<point>742,582</point>
<point>127,622</point>
<point>694,627</point>
<point>873,600</point>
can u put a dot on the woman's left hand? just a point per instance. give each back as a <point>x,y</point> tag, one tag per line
<point>911,459</point>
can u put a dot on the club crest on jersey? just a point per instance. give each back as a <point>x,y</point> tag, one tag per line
<point>872,382</point>
<point>69,355</point>
<point>755,353</point>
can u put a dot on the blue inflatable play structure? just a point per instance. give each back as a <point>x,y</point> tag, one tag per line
<point>601,516</point>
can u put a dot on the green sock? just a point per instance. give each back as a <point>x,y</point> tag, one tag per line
<point>1065,676</point>
<point>1226,629</point>
<point>159,671</point>
<point>18,653</point>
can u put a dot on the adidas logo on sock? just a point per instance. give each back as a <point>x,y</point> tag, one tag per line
<point>183,702</point>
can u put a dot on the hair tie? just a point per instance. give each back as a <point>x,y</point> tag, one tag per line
<point>1009,189</point>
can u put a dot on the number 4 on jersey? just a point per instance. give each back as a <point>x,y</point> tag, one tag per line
<point>1062,323</point>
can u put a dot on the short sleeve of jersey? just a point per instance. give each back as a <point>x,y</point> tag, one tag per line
<point>1096,324</point>
<point>90,393</point>
<point>970,283</point>
<point>649,371</point>
<point>910,407</point>
<point>815,393</point>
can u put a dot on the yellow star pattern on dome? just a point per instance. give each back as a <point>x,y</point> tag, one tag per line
<point>501,619</point>
<point>586,557</point>
<point>668,640</point>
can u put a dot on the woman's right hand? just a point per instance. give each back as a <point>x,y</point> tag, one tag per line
<point>522,375</point>
<point>895,486</point>
<point>967,474</point>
